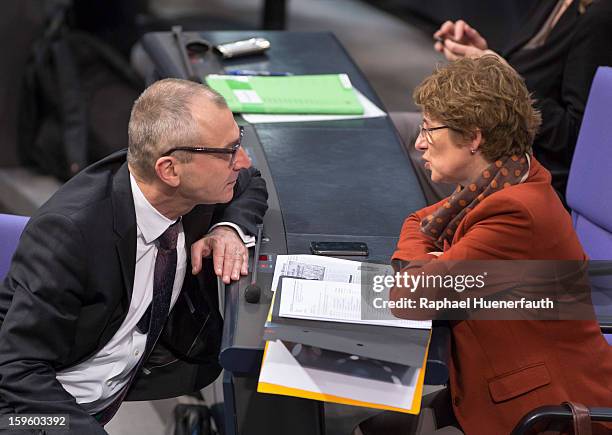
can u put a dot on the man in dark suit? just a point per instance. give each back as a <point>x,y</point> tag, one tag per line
<point>114,260</point>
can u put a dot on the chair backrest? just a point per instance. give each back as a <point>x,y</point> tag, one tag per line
<point>11,227</point>
<point>589,188</point>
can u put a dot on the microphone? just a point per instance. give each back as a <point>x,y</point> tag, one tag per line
<point>252,293</point>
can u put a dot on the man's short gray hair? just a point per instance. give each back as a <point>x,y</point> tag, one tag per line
<point>162,119</point>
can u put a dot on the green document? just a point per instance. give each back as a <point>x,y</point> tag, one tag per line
<point>309,94</point>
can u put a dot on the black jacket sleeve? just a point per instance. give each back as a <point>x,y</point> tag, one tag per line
<point>589,49</point>
<point>45,287</point>
<point>249,203</point>
<point>193,331</point>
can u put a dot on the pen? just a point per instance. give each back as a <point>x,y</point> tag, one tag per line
<point>441,39</point>
<point>247,72</point>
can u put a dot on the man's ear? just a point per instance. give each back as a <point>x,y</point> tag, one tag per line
<point>168,171</point>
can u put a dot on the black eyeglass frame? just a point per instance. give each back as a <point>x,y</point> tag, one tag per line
<point>204,150</point>
<point>426,132</point>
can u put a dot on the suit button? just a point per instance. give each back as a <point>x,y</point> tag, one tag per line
<point>456,400</point>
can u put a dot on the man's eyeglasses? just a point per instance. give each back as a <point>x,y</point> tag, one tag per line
<point>426,132</point>
<point>233,150</point>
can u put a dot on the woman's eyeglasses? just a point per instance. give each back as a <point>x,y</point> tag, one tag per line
<point>426,132</point>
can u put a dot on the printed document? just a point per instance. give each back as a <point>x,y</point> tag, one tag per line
<point>335,301</point>
<point>322,268</point>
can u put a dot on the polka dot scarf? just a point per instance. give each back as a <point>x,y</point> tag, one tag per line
<point>442,224</point>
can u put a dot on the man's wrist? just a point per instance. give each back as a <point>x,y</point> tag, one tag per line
<point>248,240</point>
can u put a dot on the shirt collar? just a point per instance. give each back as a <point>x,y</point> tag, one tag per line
<point>528,169</point>
<point>150,222</point>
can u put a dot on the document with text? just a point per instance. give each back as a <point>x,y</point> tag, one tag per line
<point>335,301</point>
<point>329,290</point>
<point>316,267</point>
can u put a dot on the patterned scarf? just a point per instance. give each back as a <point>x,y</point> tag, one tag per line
<point>442,224</point>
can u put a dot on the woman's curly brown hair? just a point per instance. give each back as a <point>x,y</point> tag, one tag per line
<point>486,94</point>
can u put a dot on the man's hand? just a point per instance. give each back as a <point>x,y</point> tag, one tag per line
<point>460,40</point>
<point>453,51</point>
<point>230,256</point>
<point>461,33</point>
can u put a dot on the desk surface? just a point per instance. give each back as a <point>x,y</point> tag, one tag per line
<point>340,180</point>
<point>333,180</point>
<point>347,178</point>
<point>343,178</point>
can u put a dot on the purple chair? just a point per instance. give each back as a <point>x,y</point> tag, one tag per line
<point>589,194</point>
<point>589,190</point>
<point>11,227</point>
<point>590,180</point>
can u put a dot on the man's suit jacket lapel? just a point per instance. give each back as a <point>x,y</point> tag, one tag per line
<point>532,23</point>
<point>124,226</point>
<point>195,225</point>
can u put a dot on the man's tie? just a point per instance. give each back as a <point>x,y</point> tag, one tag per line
<point>154,318</point>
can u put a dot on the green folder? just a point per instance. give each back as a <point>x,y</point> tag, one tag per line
<point>308,94</point>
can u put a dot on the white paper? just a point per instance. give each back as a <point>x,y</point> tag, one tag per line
<point>336,302</point>
<point>370,110</point>
<point>322,268</point>
<point>281,368</point>
<point>345,80</point>
<point>247,96</point>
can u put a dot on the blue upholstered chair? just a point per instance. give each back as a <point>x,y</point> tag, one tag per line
<point>11,227</point>
<point>589,194</point>
<point>589,190</point>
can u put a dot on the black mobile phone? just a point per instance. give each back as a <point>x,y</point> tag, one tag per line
<point>339,248</point>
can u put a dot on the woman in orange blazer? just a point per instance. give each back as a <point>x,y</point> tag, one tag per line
<point>478,127</point>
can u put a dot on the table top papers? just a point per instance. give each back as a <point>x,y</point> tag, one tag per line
<point>322,290</point>
<point>330,289</point>
<point>301,371</point>
<point>322,268</point>
<point>335,302</point>
<point>303,94</point>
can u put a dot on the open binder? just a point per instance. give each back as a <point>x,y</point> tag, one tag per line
<point>373,366</point>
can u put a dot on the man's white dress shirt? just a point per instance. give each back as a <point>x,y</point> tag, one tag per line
<point>95,382</point>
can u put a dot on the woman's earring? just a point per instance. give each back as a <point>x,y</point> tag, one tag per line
<point>473,152</point>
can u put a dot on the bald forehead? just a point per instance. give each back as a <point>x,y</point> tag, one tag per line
<point>206,110</point>
<point>216,122</point>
